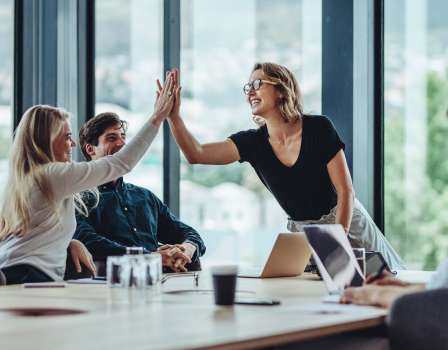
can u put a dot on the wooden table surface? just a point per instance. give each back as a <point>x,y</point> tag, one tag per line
<point>174,321</point>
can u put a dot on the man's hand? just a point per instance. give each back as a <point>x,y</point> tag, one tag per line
<point>173,256</point>
<point>80,254</point>
<point>386,279</point>
<point>377,295</point>
<point>190,249</point>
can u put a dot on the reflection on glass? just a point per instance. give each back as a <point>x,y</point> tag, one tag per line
<point>416,126</point>
<point>128,61</point>
<point>236,216</point>
<point>6,56</point>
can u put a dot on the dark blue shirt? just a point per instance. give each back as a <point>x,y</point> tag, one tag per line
<point>131,216</point>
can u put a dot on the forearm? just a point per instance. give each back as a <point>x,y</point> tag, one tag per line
<point>99,246</point>
<point>156,119</point>
<point>344,211</point>
<point>386,296</point>
<point>190,147</point>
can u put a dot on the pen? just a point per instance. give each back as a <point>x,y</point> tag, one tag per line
<point>379,272</point>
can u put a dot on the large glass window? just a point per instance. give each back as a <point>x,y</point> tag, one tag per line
<point>128,60</point>
<point>6,57</point>
<point>416,130</point>
<point>220,42</point>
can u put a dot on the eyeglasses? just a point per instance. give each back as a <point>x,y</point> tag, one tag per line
<point>256,85</point>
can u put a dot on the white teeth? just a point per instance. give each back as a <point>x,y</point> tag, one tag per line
<point>254,102</point>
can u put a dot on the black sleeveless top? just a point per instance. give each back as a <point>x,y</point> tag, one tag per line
<point>305,190</point>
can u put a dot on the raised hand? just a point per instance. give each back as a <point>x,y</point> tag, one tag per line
<point>164,101</point>
<point>176,106</point>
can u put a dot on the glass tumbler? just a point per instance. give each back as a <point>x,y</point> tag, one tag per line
<point>152,275</point>
<point>116,291</point>
<point>360,254</point>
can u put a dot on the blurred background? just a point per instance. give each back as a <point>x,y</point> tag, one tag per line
<point>220,42</point>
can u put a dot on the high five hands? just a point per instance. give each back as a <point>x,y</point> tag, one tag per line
<point>176,91</point>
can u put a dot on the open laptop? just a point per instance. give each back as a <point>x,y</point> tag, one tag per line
<point>334,257</point>
<point>288,257</point>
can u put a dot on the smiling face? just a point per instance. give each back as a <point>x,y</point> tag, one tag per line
<point>110,142</point>
<point>265,99</point>
<point>62,146</point>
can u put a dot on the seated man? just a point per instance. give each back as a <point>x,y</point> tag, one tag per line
<point>128,215</point>
<point>384,290</point>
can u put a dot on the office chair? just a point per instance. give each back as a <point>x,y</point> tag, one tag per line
<point>419,321</point>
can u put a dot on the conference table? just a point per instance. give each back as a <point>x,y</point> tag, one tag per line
<point>184,316</point>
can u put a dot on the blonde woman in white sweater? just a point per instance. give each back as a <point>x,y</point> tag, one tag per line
<point>37,218</point>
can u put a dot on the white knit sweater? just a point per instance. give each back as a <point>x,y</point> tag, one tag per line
<point>45,244</point>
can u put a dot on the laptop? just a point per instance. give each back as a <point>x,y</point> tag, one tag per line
<point>288,257</point>
<point>334,257</point>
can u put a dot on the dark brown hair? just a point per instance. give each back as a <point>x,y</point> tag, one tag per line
<point>95,127</point>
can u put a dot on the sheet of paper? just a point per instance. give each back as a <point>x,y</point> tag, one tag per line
<point>324,308</point>
<point>87,281</point>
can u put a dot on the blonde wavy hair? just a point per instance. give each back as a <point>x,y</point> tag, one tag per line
<point>31,151</point>
<point>291,102</point>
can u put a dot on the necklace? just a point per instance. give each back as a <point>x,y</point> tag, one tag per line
<point>285,136</point>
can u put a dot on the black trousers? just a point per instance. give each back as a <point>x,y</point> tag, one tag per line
<point>19,274</point>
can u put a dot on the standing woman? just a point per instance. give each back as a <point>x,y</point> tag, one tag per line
<point>37,218</point>
<point>298,157</point>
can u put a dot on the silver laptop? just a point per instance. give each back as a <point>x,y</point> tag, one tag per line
<point>334,257</point>
<point>288,257</point>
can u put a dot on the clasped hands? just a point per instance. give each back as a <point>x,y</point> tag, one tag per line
<point>176,256</point>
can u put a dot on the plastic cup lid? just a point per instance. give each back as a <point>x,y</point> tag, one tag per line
<point>224,270</point>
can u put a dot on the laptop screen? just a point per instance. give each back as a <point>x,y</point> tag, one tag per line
<point>334,256</point>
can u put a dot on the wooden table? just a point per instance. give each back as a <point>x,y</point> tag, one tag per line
<point>175,321</point>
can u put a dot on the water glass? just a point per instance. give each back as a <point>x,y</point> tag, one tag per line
<point>134,250</point>
<point>134,278</point>
<point>360,254</point>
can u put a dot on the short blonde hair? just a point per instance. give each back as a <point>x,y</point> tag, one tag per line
<point>291,102</point>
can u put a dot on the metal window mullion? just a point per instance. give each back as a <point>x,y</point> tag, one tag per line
<point>378,28</point>
<point>171,153</point>
<point>86,64</point>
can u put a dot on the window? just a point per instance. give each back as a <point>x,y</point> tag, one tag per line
<point>128,61</point>
<point>6,65</point>
<point>416,129</point>
<point>220,42</point>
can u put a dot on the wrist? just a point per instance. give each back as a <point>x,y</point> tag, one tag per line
<point>156,119</point>
<point>191,249</point>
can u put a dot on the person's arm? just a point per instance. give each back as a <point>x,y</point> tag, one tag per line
<point>70,178</point>
<point>80,254</point>
<point>172,231</point>
<point>99,246</point>
<point>340,176</point>
<point>377,295</point>
<point>216,153</point>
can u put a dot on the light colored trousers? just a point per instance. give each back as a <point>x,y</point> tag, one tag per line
<point>363,233</point>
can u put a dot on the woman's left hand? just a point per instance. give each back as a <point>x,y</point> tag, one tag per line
<point>80,254</point>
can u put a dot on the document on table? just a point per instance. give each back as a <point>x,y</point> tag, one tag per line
<point>324,308</point>
<point>87,281</point>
